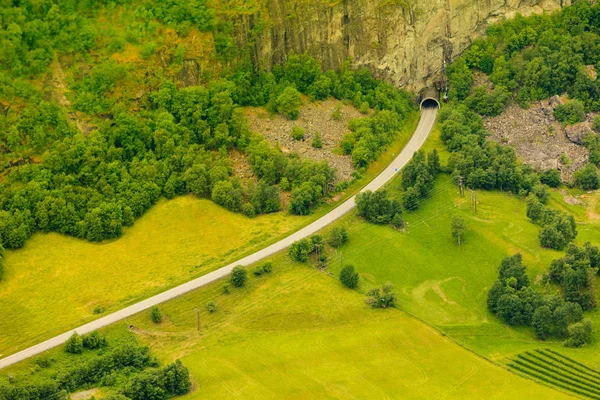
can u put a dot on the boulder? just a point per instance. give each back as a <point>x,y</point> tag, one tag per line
<point>576,133</point>
<point>554,101</point>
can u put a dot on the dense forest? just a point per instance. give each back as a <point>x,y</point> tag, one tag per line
<point>170,140</point>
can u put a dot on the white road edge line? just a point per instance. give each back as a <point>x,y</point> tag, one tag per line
<point>428,116</point>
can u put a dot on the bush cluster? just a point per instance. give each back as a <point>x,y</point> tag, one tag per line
<point>377,208</point>
<point>517,303</point>
<point>558,228</point>
<point>418,178</point>
<point>265,268</point>
<point>382,297</point>
<point>158,384</point>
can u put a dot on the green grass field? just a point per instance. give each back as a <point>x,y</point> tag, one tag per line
<point>55,282</point>
<point>446,285</point>
<point>297,333</point>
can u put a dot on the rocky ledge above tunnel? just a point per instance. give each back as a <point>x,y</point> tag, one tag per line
<point>429,97</point>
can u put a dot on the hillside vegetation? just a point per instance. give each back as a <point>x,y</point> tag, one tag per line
<point>88,156</point>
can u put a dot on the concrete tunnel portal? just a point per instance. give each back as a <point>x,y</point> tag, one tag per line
<point>430,97</point>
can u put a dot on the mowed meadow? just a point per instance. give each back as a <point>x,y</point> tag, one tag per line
<point>446,285</point>
<point>57,281</point>
<point>297,333</point>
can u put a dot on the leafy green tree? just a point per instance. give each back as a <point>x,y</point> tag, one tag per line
<point>461,79</point>
<point>580,334</point>
<point>349,277</point>
<point>587,178</point>
<point>535,209</point>
<point>176,379</point>
<point>225,194</point>
<point>459,227</point>
<point>145,386</point>
<point>155,315</point>
<point>239,276</point>
<point>542,322</point>
<point>301,250</point>
<point>289,102</point>
<point>74,344</point>
<point>376,208</point>
<point>304,197</point>
<point>551,178</point>
<point>337,236</point>
<point>382,297</point>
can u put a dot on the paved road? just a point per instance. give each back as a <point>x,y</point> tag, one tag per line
<point>428,116</point>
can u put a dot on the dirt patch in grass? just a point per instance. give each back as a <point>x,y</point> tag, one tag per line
<point>537,138</point>
<point>85,394</point>
<point>314,117</point>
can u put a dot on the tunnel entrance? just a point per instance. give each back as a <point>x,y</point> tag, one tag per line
<point>430,97</point>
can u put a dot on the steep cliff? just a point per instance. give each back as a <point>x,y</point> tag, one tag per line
<point>405,42</point>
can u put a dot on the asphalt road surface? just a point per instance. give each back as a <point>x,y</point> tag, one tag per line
<point>428,115</point>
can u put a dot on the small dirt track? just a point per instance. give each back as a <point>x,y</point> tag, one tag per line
<point>428,116</point>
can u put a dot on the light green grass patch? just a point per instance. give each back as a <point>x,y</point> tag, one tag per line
<point>56,281</point>
<point>298,333</point>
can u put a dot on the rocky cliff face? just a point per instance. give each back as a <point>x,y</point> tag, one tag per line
<point>405,42</point>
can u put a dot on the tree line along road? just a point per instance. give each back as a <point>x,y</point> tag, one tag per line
<point>428,116</point>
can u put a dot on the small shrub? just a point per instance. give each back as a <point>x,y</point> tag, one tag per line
<point>322,261</point>
<point>349,277</point>
<point>226,288</point>
<point>211,307</point>
<point>98,310</point>
<point>570,113</point>
<point>43,362</point>
<point>94,340</point>
<point>267,267</point>
<point>156,315</point>
<point>596,124</point>
<point>239,276</point>
<point>74,344</point>
<point>382,297</point>
<point>298,133</point>
<point>316,142</point>
<point>337,237</point>
<point>289,102</point>
<point>564,159</point>
<point>364,108</point>
<point>337,113</point>
<point>284,184</point>
<point>258,271</point>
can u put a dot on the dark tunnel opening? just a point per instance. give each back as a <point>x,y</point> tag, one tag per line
<point>430,103</point>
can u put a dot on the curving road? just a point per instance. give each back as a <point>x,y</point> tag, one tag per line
<point>428,115</point>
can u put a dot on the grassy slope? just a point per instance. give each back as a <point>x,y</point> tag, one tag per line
<point>298,333</point>
<point>55,282</point>
<point>447,285</point>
